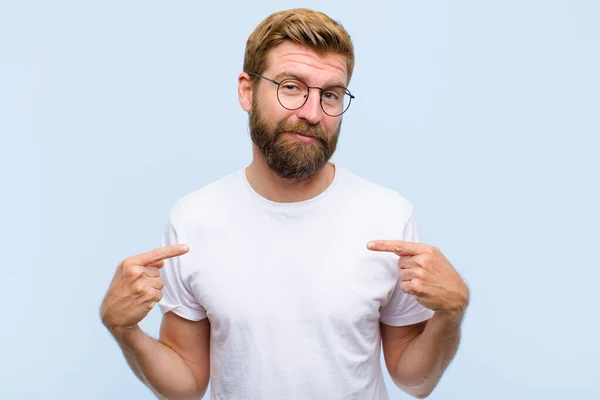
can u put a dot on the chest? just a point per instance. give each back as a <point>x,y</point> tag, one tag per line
<point>295,279</point>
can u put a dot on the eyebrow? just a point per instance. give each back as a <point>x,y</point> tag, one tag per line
<point>287,74</point>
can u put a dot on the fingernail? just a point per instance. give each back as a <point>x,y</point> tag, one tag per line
<point>184,247</point>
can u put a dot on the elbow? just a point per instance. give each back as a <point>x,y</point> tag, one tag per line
<point>194,396</point>
<point>422,395</point>
<point>202,393</point>
<point>182,395</point>
<point>199,391</point>
<point>198,394</point>
<point>418,393</point>
<point>421,390</point>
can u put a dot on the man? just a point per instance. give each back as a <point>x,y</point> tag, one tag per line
<point>284,279</point>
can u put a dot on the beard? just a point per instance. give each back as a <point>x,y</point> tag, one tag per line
<point>288,158</point>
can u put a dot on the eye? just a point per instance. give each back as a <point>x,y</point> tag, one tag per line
<point>329,95</point>
<point>291,87</point>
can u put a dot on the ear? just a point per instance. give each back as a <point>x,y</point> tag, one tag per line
<point>245,91</point>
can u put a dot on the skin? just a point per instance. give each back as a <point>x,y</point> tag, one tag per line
<point>177,364</point>
<point>316,70</point>
<point>416,356</point>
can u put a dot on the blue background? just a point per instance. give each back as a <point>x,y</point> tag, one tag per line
<point>485,115</point>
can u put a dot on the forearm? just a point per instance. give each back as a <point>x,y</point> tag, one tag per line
<point>158,366</point>
<point>425,359</point>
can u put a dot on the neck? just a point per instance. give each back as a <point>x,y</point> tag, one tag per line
<point>270,186</point>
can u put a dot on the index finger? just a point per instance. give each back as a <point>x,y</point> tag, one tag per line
<point>160,254</point>
<point>399,247</point>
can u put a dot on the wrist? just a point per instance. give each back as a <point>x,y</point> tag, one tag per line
<point>454,310</point>
<point>449,317</point>
<point>124,334</point>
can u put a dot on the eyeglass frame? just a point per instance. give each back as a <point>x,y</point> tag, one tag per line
<point>322,90</point>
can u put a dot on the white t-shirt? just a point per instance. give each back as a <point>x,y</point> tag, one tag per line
<point>293,295</point>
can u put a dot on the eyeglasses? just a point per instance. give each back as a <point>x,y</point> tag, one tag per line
<point>293,93</point>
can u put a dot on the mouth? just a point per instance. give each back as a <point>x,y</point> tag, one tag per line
<point>298,133</point>
<point>302,137</point>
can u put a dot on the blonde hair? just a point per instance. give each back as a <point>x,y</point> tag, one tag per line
<point>301,26</point>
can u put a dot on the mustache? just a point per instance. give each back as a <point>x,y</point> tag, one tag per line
<point>316,131</point>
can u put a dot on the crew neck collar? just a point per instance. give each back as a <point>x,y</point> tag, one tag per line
<point>296,205</point>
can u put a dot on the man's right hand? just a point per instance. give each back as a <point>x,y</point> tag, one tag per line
<point>135,288</point>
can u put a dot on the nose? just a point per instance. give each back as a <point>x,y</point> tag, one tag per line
<point>311,110</point>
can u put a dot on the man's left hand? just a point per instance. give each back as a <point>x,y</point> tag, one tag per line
<point>428,276</point>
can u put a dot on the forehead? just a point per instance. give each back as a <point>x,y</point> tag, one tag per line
<point>315,68</point>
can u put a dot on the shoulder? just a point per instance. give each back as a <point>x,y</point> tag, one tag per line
<point>208,200</point>
<point>376,197</point>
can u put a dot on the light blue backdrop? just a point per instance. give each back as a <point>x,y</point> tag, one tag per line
<point>485,114</point>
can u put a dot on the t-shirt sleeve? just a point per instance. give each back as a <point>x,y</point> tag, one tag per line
<point>177,295</point>
<point>403,309</point>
